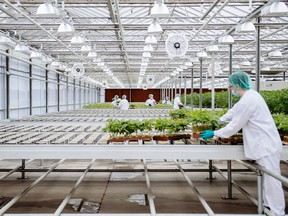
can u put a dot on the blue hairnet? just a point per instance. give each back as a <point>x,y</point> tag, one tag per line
<point>240,80</point>
<point>124,97</point>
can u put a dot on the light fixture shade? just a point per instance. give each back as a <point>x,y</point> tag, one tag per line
<point>245,27</point>
<point>77,40</point>
<point>85,49</point>
<point>148,48</point>
<point>5,40</point>
<point>275,53</point>
<point>92,55</point>
<point>246,63</point>
<point>202,55</point>
<point>46,9</point>
<point>159,10</point>
<point>21,48</point>
<point>236,67</point>
<point>154,28</point>
<point>150,39</point>
<point>36,55</point>
<point>65,29</point>
<point>55,64</point>
<point>275,9</point>
<point>47,59</point>
<point>212,48</point>
<point>188,64</point>
<point>227,39</point>
<point>146,55</point>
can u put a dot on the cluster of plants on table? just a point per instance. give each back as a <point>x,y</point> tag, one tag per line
<point>136,129</point>
<point>277,100</point>
<point>99,106</point>
<point>281,121</point>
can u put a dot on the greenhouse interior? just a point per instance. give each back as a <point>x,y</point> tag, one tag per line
<point>143,108</point>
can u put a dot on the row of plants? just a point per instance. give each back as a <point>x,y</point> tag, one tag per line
<point>128,128</point>
<point>281,121</point>
<point>132,106</point>
<point>277,100</point>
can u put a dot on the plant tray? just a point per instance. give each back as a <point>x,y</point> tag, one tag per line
<point>233,140</point>
<point>131,138</point>
<point>171,137</point>
<point>285,138</point>
<point>196,135</point>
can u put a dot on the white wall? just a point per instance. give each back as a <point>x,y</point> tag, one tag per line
<point>271,85</point>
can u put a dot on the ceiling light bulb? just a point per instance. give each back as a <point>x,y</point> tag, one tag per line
<point>227,39</point>
<point>148,48</point>
<point>202,55</point>
<point>154,28</point>
<point>21,48</point>
<point>275,53</point>
<point>275,9</point>
<point>92,55</point>
<point>150,39</point>
<point>65,28</point>
<point>47,9</point>
<point>85,49</point>
<point>77,40</point>
<point>245,27</point>
<point>36,55</point>
<point>212,48</point>
<point>159,10</point>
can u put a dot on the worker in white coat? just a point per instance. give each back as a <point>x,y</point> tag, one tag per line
<point>123,104</point>
<point>260,136</point>
<point>150,101</point>
<point>177,102</point>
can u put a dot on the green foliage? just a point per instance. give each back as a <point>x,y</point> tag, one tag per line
<point>281,121</point>
<point>99,106</point>
<point>179,114</point>
<point>277,101</point>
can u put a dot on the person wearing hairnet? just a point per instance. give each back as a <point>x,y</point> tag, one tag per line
<point>260,136</point>
<point>150,101</point>
<point>177,102</point>
<point>123,104</point>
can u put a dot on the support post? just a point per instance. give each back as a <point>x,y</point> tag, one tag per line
<point>7,87</point>
<point>22,168</point>
<point>230,72</point>
<point>192,89</point>
<point>260,192</point>
<point>74,94</point>
<point>30,88</point>
<point>258,55</point>
<point>185,91</point>
<point>58,92</point>
<point>200,87</point>
<point>46,90</point>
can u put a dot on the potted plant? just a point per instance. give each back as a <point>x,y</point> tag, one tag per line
<point>281,121</point>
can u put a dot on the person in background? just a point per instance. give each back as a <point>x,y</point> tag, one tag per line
<point>123,104</point>
<point>166,101</point>
<point>150,101</point>
<point>260,136</point>
<point>177,102</point>
<point>115,101</point>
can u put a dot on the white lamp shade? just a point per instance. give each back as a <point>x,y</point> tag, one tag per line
<point>36,55</point>
<point>21,48</point>
<point>227,39</point>
<point>154,28</point>
<point>246,63</point>
<point>245,27</point>
<point>5,40</point>
<point>212,48</point>
<point>201,55</point>
<point>150,39</point>
<point>188,64</point>
<point>275,9</point>
<point>85,49</point>
<point>65,28</point>
<point>77,40</point>
<point>47,9</point>
<point>159,10</point>
<point>236,67</point>
<point>275,53</point>
<point>55,64</point>
<point>92,55</point>
<point>148,48</point>
<point>47,60</point>
<point>146,55</point>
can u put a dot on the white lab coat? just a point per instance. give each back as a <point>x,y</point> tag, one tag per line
<point>261,142</point>
<point>150,102</point>
<point>123,105</point>
<point>260,135</point>
<point>176,103</point>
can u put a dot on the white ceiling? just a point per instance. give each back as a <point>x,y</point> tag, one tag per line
<point>118,29</point>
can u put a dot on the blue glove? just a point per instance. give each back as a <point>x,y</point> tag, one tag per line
<point>207,134</point>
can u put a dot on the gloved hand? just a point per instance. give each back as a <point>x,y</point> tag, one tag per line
<point>207,134</point>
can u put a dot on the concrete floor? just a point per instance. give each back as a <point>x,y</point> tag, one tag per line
<point>112,190</point>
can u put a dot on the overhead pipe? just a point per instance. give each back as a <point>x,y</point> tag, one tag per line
<point>210,9</point>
